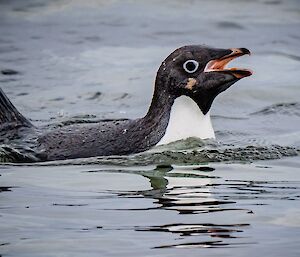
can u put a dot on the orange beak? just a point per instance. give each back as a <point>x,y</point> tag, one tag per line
<point>218,65</point>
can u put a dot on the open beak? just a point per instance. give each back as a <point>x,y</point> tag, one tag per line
<point>218,65</point>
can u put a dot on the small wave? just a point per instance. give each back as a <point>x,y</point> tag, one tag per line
<point>281,108</point>
<point>230,25</point>
<point>228,117</point>
<point>277,53</point>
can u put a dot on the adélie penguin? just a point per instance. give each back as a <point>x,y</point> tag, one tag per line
<point>186,84</point>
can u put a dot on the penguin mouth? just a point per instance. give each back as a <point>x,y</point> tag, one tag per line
<point>219,65</point>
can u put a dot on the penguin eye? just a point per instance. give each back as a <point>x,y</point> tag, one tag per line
<point>190,66</point>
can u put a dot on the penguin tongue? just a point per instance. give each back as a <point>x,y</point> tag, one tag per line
<point>218,65</point>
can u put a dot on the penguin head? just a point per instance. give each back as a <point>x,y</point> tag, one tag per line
<point>199,72</point>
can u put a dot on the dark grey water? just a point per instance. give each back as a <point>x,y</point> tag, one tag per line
<point>64,61</point>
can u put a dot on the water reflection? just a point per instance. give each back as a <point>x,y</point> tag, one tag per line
<point>183,231</point>
<point>154,207</point>
<point>198,191</point>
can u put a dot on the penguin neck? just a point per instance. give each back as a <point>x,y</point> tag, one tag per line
<point>187,120</point>
<point>161,104</point>
<point>172,118</point>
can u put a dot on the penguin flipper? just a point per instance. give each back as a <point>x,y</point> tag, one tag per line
<point>9,115</point>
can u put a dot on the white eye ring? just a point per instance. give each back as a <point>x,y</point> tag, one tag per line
<point>190,66</point>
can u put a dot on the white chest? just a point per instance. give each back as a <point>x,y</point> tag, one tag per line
<point>187,120</point>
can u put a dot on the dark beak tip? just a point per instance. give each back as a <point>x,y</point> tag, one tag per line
<point>245,51</point>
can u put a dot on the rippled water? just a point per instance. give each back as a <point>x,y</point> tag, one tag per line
<point>214,210</point>
<point>69,61</point>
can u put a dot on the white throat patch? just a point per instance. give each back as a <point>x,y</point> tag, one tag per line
<point>187,120</point>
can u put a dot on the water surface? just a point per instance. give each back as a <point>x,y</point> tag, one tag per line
<point>215,210</point>
<point>71,61</point>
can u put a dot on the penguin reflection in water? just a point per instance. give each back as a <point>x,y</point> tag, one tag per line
<point>186,84</point>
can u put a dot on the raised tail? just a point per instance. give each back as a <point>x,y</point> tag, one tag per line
<point>9,115</point>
